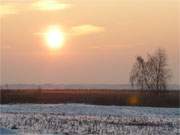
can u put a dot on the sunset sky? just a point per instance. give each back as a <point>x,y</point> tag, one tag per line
<point>97,40</point>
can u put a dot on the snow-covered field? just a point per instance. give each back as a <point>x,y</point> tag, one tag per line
<point>80,119</point>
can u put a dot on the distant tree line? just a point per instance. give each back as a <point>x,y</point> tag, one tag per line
<point>151,74</point>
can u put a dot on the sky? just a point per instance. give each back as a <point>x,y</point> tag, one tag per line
<point>100,39</point>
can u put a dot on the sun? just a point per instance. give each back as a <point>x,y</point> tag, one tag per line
<point>54,37</point>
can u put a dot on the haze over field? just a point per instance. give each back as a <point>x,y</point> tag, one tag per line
<point>84,42</point>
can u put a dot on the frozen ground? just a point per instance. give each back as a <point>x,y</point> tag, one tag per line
<point>79,119</point>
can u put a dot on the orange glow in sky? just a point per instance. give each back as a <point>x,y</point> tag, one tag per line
<point>91,41</point>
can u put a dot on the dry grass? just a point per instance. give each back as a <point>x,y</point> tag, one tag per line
<point>93,96</point>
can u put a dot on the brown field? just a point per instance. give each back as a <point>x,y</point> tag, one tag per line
<point>97,97</point>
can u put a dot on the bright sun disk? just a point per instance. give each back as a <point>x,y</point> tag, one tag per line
<point>54,37</point>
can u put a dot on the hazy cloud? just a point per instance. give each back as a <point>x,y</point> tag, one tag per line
<point>13,7</point>
<point>86,29</point>
<point>48,5</point>
<point>6,9</point>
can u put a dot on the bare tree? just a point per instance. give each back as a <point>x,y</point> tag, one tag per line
<point>152,74</point>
